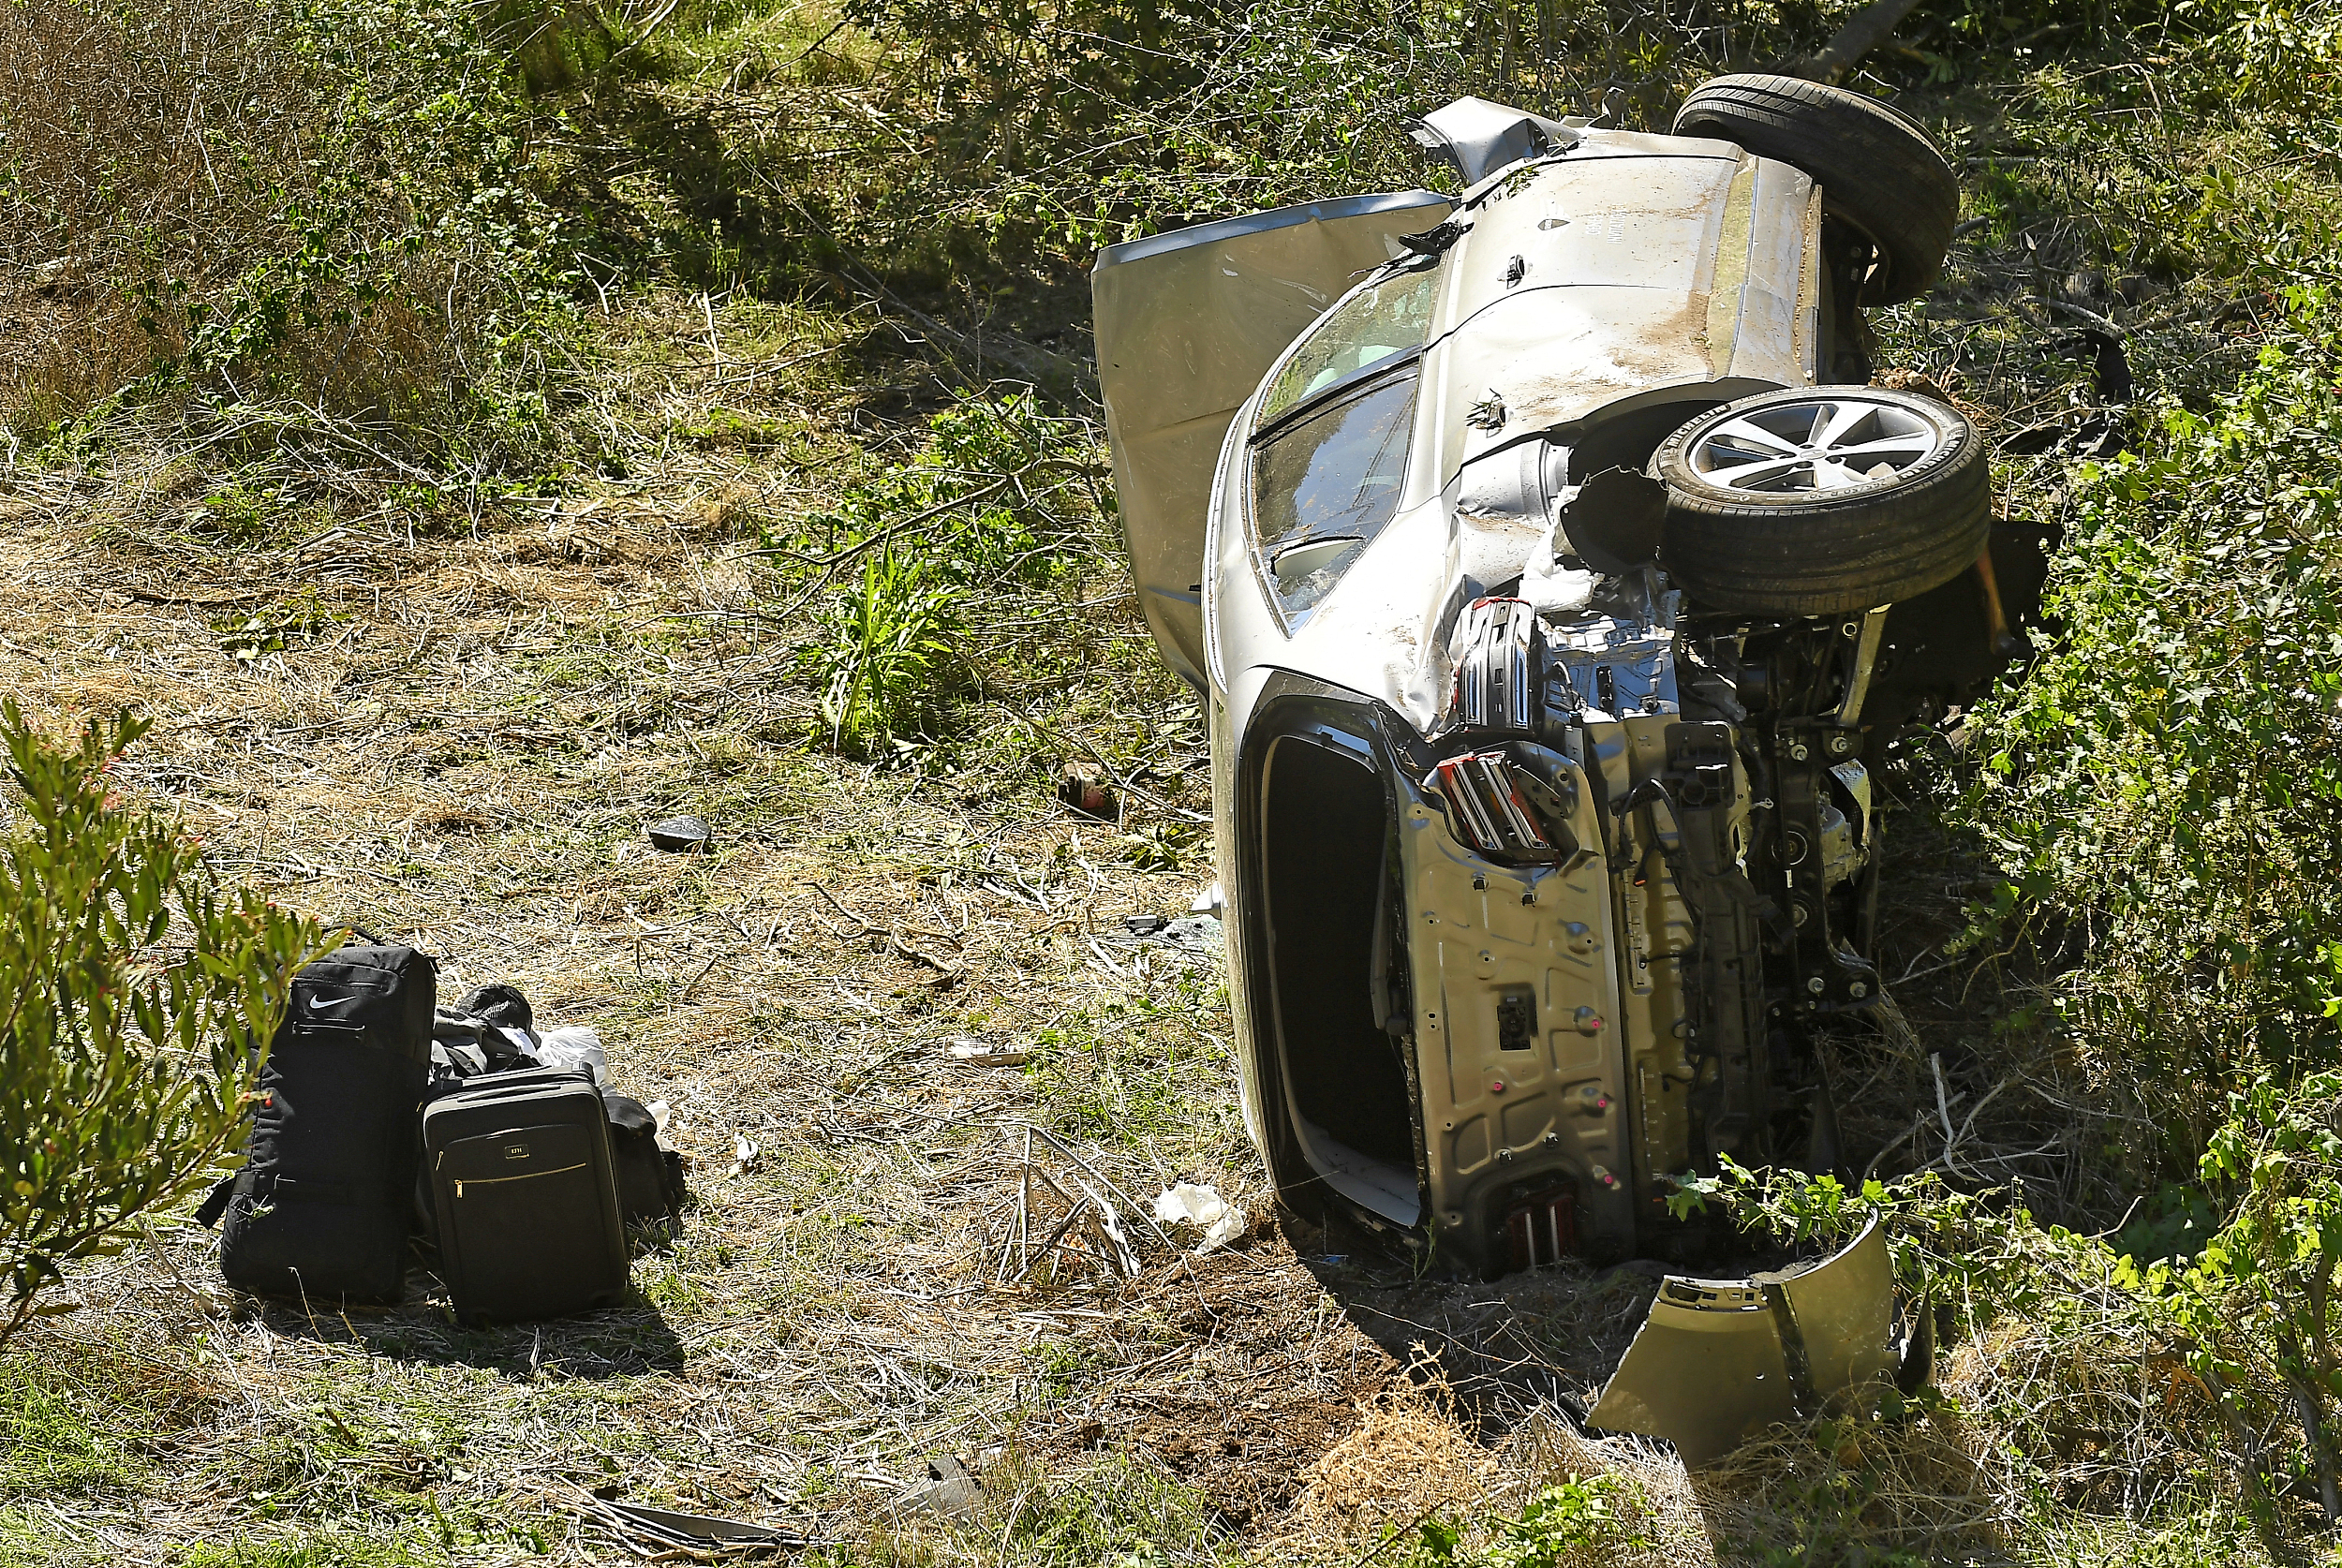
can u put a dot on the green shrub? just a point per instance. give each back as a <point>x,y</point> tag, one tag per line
<point>2232,1347</point>
<point>1045,130</point>
<point>141,996</point>
<point>999,503</point>
<point>1582,1521</point>
<point>889,661</point>
<point>327,203</point>
<point>2165,786</point>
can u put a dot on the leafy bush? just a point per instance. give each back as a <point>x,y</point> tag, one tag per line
<point>999,501</point>
<point>1581,1520</point>
<point>2164,1361</point>
<point>324,200</point>
<point>141,996</point>
<point>1055,128</point>
<point>889,661</point>
<point>2165,787</point>
<point>982,63</point>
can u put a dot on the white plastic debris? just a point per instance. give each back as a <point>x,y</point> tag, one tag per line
<point>574,1045</point>
<point>743,1154</point>
<point>1209,902</point>
<point>1188,1203</point>
<point>980,1053</point>
<point>659,1116</point>
<point>1549,585</point>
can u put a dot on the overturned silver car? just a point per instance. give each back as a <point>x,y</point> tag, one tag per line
<point>1557,584</point>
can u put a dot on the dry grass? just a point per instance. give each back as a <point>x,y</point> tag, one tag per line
<point>215,190</point>
<point>451,723</point>
<point>447,716</point>
<point>453,730</point>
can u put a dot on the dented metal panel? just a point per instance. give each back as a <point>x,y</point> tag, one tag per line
<point>1585,283</point>
<point>1187,324</point>
<point>1479,137</point>
<point>1500,1106</point>
<point>1706,1370</point>
<point>1765,299</point>
<point>1719,1360</point>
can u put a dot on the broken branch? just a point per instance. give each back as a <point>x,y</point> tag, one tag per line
<point>1863,32</point>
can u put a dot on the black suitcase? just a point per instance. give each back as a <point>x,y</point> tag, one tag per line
<point>526,1196</point>
<point>321,1207</point>
<point>649,1176</point>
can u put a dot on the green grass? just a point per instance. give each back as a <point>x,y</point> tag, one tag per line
<point>325,1549</point>
<point>73,1426</point>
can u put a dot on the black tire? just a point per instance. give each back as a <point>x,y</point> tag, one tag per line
<point>1775,534</point>
<point>1875,166</point>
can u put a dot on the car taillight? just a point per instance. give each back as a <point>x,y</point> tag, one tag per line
<point>1490,811</point>
<point>1499,666</point>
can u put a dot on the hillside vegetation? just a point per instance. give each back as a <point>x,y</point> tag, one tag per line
<point>470,429</point>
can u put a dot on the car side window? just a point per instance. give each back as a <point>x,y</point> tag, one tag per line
<point>1323,485</point>
<point>1379,322</point>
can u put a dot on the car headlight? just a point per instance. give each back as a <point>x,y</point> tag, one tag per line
<point>1512,803</point>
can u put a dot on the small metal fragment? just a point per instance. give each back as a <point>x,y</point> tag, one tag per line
<point>951,1489</point>
<point>680,835</point>
<point>660,1532</point>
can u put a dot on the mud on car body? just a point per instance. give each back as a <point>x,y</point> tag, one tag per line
<point>1557,584</point>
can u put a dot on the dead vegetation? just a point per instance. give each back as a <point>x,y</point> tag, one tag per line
<point>278,210</point>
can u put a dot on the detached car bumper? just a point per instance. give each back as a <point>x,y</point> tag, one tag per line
<point>1719,1360</point>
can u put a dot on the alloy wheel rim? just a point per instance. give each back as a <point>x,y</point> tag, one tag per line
<point>1816,444</point>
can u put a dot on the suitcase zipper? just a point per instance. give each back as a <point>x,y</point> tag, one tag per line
<point>525,1175</point>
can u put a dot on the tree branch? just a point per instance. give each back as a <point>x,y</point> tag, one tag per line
<point>1864,31</point>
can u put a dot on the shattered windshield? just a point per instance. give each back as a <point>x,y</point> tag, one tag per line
<point>1324,487</point>
<point>1370,326</point>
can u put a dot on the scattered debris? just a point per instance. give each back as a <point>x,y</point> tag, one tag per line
<point>574,1045</point>
<point>983,1053</point>
<point>1083,787</point>
<point>743,1154</point>
<point>1211,901</point>
<point>949,1489</point>
<point>1190,1203</point>
<point>1195,934</point>
<point>681,836</point>
<point>56,276</point>
<point>1198,934</point>
<point>1062,1226</point>
<point>664,1536</point>
<point>1720,1359</point>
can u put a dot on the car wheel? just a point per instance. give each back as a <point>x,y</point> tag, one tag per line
<point>1822,500</point>
<point>1875,166</point>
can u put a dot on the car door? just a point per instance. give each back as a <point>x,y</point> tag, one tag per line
<point>1187,324</point>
